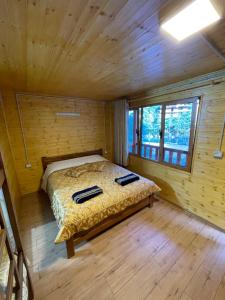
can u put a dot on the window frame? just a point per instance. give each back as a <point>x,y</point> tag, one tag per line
<point>136,134</point>
<point>194,119</point>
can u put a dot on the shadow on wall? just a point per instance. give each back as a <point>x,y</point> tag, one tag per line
<point>167,192</point>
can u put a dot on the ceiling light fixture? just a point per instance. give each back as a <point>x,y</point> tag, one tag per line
<point>196,16</point>
<point>68,114</point>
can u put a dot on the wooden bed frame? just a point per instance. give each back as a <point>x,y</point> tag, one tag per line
<point>108,222</point>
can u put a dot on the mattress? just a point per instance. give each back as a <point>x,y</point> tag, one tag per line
<point>73,218</point>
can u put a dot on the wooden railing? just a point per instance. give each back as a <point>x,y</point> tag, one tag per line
<point>180,158</point>
<point>171,156</point>
<point>150,151</point>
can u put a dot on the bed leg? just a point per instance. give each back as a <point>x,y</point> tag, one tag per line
<point>70,248</point>
<point>151,200</point>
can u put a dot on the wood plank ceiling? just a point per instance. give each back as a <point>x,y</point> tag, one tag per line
<point>101,49</point>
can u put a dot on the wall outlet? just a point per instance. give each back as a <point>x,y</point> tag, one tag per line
<point>28,165</point>
<point>218,154</point>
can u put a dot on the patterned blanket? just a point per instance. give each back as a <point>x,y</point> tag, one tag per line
<point>73,218</point>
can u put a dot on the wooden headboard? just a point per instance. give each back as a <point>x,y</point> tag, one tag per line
<point>48,160</point>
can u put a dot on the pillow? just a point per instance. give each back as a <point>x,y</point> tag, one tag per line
<point>68,163</point>
<point>96,166</point>
<point>88,167</point>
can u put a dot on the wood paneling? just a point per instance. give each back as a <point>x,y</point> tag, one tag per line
<point>157,254</point>
<point>106,224</point>
<point>47,134</point>
<point>217,34</point>
<point>8,161</point>
<point>203,190</point>
<point>98,49</point>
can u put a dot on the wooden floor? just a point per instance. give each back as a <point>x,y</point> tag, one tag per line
<point>159,253</point>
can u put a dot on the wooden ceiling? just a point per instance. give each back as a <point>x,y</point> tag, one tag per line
<point>100,49</point>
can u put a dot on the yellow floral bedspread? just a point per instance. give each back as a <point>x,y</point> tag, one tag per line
<point>73,218</point>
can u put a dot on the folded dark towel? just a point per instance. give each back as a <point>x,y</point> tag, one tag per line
<point>86,194</point>
<point>124,180</point>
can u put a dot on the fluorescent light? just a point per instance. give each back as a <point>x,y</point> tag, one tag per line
<point>68,114</point>
<point>196,16</point>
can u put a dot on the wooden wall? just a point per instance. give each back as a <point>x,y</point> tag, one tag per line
<point>203,190</point>
<point>8,160</point>
<point>47,134</point>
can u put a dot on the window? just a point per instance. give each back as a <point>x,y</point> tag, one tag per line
<point>150,133</point>
<point>164,132</point>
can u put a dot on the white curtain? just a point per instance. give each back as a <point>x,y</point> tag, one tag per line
<point>121,110</point>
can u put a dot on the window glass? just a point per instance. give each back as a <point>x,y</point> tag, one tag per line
<point>151,128</point>
<point>177,133</point>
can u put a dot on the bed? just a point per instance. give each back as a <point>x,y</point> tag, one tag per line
<point>78,222</point>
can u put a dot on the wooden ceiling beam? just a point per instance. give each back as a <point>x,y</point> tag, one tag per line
<point>213,46</point>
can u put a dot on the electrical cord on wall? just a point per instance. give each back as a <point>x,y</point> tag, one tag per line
<point>27,164</point>
<point>6,124</point>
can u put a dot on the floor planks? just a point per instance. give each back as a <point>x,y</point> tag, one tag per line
<point>158,253</point>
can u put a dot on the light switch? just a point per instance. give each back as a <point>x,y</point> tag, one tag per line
<point>218,154</point>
